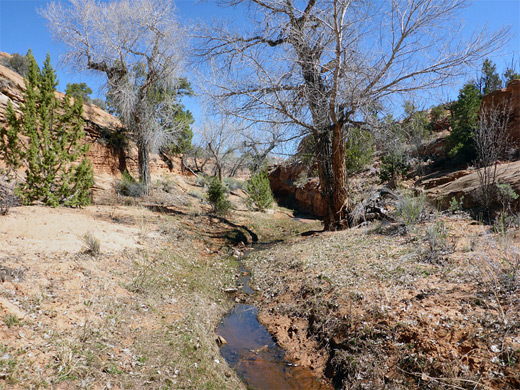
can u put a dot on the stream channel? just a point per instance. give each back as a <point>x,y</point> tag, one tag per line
<point>254,355</point>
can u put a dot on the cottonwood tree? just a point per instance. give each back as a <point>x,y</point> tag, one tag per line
<point>137,46</point>
<point>314,66</point>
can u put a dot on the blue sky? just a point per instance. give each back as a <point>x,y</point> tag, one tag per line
<point>22,28</point>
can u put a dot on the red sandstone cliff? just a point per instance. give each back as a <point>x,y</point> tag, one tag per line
<point>105,160</point>
<point>510,98</point>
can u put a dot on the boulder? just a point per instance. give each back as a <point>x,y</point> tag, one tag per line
<point>435,149</point>
<point>468,184</point>
<point>437,179</point>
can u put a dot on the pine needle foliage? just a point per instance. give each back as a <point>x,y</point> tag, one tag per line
<point>217,197</point>
<point>46,140</point>
<point>259,190</point>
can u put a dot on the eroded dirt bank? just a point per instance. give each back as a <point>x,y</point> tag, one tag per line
<point>373,308</point>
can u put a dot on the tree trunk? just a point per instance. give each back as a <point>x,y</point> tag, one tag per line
<point>330,153</point>
<point>143,161</point>
<point>219,171</point>
<point>341,204</point>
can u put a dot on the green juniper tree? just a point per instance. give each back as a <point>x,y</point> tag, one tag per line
<point>464,121</point>
<point>46,140</point>
<point>79,90</point>
<point>490,80</point>
<point>259,190</point>
<point>217,197</point>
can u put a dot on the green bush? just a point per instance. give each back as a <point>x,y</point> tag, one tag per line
<point>416,125</point>
<point>506,195</point>
<point>411,209</point>
<point>438,113</point>
<point>100,103</point>
<point>360,150</point>
<point>259,190</point>
<point>456,205</point>
<point>79,91</point>
<point>393,166</point>
<point>128,186</point>
<point>17,62</point>
<point>217,197</point>
<point>116,140</point>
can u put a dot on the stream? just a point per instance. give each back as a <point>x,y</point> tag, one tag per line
<point>254,355</point>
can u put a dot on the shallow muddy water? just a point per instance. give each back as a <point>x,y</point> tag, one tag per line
<point>256,358</point>
<point>253,354</point>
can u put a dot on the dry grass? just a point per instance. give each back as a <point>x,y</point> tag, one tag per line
<point>141,318</point>
<point>384,315</point>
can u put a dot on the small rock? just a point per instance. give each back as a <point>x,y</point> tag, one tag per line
<point>261,349</point>
<point>220,340</point>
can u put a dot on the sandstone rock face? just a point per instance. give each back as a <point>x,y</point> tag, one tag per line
<point>435,149</point>
<point>105,160</point>
<point>306,198</point>
<point>439,178</point>
<point>509,96</point>
<point>468,185</point>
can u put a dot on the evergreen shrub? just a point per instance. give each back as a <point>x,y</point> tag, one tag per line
<point>259,190</point>
<point>46,139</point>
<point>217,197</point>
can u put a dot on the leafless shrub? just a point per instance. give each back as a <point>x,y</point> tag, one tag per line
<point>492,143</point>
<point>498,273</point>
<point>4,208</point>
<point>7,196</point>
<point>436,239</point>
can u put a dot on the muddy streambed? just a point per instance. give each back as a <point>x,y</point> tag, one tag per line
<point>254,355</point>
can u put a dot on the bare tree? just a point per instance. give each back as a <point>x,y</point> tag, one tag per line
<point>259,141</point>
<point>222,138</point>
<point>492,143</point>
<point>137,46</point>
<point>314,66</point>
